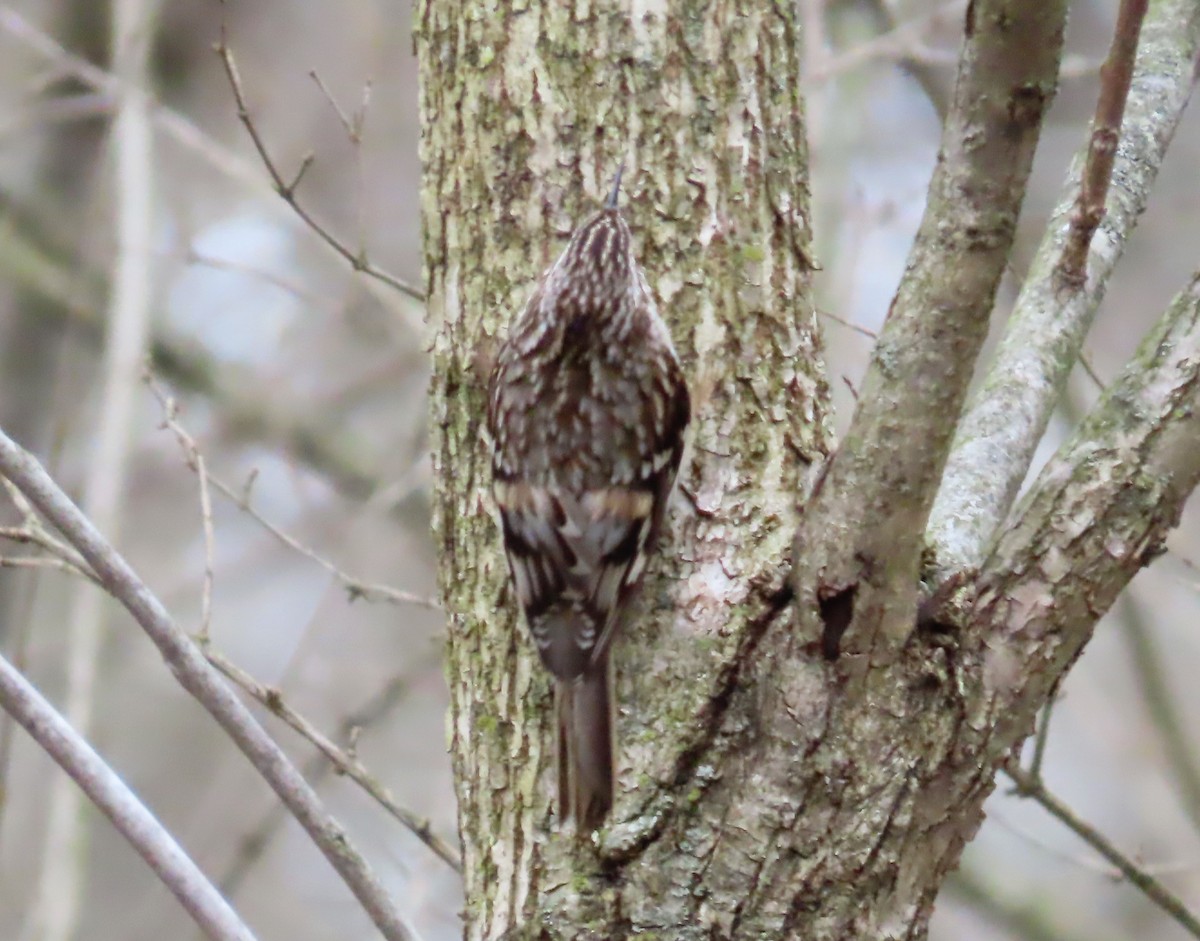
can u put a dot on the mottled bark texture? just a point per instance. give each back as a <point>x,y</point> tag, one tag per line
<point>766,789</point>
<point>527,110</point>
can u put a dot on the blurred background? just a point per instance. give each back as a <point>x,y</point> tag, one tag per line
<point>303,386</point>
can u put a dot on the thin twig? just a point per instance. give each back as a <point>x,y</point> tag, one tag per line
<point>301,293</point>
<point>848,324</point>
<point>195,461</point>
<point>1086,363</point>
<point>110,794</point>
<point>1115,77</point>
<point>1029,785</point>
<point>1043,736</point>
<point>356,588</point>
<point>44,562</point>
<point>287,188</point>
<point>206,519</point>
<point>183,131</point>
<point>344,762</point>
<point>202,680</point>
<point>254,843</point>
<point>32,533</point>
<point>353,126</point>
<point>1082,858</point>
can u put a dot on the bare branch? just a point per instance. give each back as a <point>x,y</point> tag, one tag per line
<point>353,126</point>
<point>37,562</point>
<point>185,133</point>
<point>356,588</point>
<point>345,763</point>
<point>32,533</point>
<point>200,679</point>
<point>863,529</point>
<point>1043,736</point>
<point>287,191</point>
<point>1029,785</point>
<point>999,434</point>
<point>1099,511</point>
<point>834,318</point>
<point>195,461</point>
<point>1115,77</point>
<point>254,843</point>
<point>108,792</point>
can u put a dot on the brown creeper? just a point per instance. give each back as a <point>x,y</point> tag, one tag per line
<point>587,407</point>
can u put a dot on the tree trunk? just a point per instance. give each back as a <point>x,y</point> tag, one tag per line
<point>776,780</point>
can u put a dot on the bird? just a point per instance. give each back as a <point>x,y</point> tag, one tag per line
<point>587,412</point>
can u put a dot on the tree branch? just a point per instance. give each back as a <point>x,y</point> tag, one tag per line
<point>997,438</point>
<point>109,793</point>
<point>345,763</point>
<point>863,530</point>
<point>1099,511</point>
<point>1115,76</point>
<point>286,189</point>
<point>1031,786</point>
<point>254,843</point>
<point>355,588</point>
<point>200,679</point>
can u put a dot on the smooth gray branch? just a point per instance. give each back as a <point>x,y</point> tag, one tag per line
<point>129,815</point>
<point>200,679</point>
<point>998,435</point>
<point>345,763</point>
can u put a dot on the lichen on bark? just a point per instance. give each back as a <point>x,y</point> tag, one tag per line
<point>527,109</point>
<point>767,789</point>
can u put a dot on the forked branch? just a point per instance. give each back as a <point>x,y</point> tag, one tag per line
<point>286,187</point>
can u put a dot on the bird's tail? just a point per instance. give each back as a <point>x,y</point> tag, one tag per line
<point>585,747</point>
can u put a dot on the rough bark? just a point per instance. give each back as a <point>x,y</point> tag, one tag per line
<point>766,791</point>
<point>527,111</point>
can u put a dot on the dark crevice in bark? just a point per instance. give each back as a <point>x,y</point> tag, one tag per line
<point>837,611</point>
<point>775,600</point>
